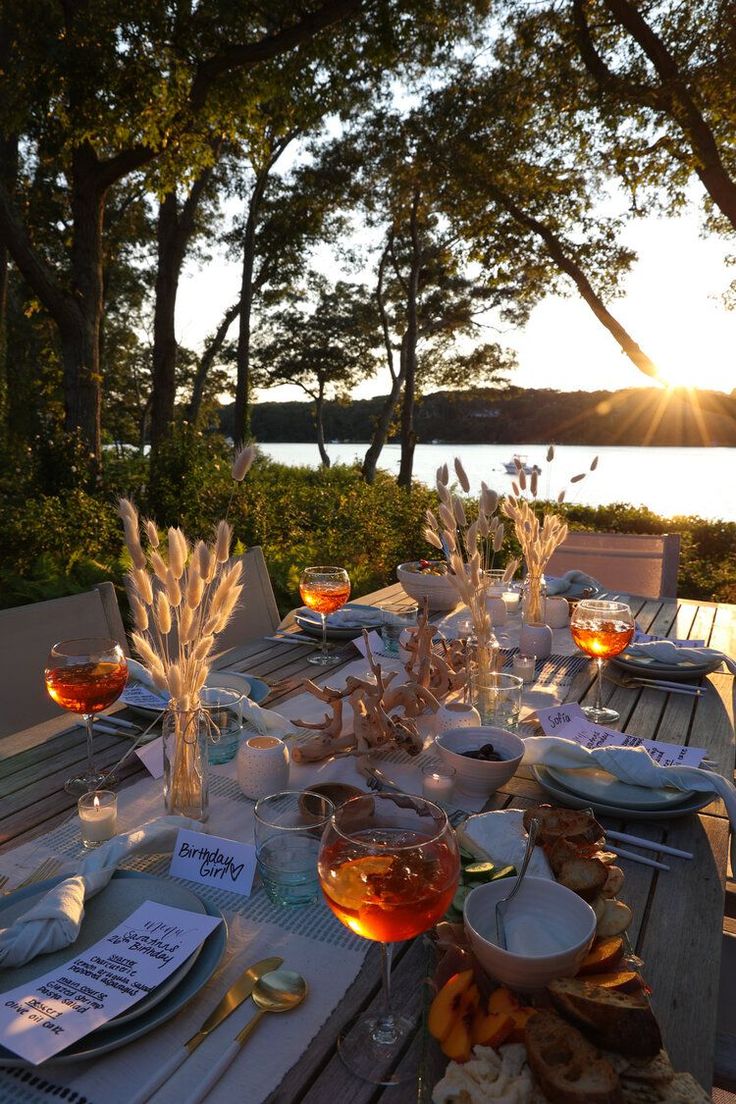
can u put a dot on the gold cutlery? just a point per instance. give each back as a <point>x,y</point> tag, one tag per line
<point>47,869</point>
<point>278,991</point>
<point>236,994</point>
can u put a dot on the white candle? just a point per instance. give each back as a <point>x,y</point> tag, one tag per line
<point>523,667</point>
<point>437,786</point>
<point>98,816</point>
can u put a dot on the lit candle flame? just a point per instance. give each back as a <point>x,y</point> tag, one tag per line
<point>96,802</point>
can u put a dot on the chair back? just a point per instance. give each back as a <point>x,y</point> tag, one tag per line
<point>257,615</point>
<point>27,634</point>
<point>635,563</point>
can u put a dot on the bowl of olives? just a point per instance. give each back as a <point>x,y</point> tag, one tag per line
<point>483,758</point>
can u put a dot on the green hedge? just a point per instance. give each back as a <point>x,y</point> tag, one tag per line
<point>61,543</point>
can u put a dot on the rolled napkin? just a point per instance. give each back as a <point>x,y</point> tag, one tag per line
<point>349,617</point>
<point>55,920</point>
<point>632,765</point>
<point>501,835</point>
<point>572,583</point>
<point>666,651</point>
<point>266,721</point>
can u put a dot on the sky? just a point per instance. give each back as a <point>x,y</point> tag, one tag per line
<point>672,307</point>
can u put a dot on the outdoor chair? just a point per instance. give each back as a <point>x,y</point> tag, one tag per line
<point>634,563</point>
<point>27,634</point>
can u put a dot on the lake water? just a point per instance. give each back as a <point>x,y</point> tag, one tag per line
<point>670,481</point>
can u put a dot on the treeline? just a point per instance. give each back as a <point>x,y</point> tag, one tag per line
<point>518,416</point>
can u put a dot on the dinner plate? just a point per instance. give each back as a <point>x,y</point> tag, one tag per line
<point>121,896</point>
<point>645,667</point>
<point>576,591</point>
<point>312,623</point>
<point>116,1034</point>
<point>575,801</point>
<point>594,782</point>
<point>254,688</point>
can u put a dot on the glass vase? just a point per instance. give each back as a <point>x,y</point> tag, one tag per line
<point>185,762</point>
<point>533,599</point>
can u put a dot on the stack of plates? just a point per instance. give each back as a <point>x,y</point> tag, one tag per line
<point>365,617</point>
<point>122,896</point>
<point>597,789</point>
<point>648,667</point>
<point>151,704</point>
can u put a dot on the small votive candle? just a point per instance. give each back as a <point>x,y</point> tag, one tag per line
<point>523,667</point>
<point>98,817</point>
<point>438,783</point>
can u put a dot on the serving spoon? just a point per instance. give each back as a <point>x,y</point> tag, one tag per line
<point>503,904</point>
<point>277,991</point>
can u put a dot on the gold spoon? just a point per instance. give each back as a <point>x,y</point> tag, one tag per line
<point>277,991</point>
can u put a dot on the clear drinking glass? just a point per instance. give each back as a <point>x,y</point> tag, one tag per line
<point>86,676</point>
<point>388,866</point>
<point>288,828</point>
<point>324,590</point>
<point>224,707</point>
<point>601,629</point>
<point>393,623</point>
<point>497,697</point>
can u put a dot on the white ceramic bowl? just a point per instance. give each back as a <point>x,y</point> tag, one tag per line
<point>474,776</point>
<point>437,589</point>
<point>552,924</point>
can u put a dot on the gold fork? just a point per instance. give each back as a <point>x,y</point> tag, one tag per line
<point>47,869</point>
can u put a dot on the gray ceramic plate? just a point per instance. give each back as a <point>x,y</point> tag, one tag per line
<point>644,667</point>
<point>593,783</point>
<point>575,801</point>
<point>117,1034</point>
<point>311,623</point>
<point>122,896</point>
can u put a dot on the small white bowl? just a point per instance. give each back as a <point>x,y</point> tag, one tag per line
<point>437,589</point>
<point>473,776</point>
<point>542,909</point>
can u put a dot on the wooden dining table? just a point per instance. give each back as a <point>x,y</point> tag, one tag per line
<point>677,914</point>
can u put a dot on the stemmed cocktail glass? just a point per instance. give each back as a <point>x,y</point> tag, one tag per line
<point>324,590</point>
<point>85,676</point>
<point>388,867</point>
<point>601,629</point>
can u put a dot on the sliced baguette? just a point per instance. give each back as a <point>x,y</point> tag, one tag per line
<point>574,824</point>
<point>567,1068</point>
<point>586,877</point>
<point>613,1020</point>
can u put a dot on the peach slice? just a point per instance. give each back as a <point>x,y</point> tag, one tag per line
<point>492,1029</point>
<point>458,1044</point>
<point>604,954</point>
<point>446,1006</point>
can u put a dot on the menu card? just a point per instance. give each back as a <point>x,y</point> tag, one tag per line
<point>45,1015</point>
<point>569,722</point>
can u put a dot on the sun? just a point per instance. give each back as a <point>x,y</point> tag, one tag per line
<point>695,375</point>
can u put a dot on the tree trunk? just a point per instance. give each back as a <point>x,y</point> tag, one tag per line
<point>241,428</point>
<point>383,422</point>
<point>319,404</point>
<point>80,335</point>
<point>207,360</point>
<point>163,388</point>
<point>409,354</point>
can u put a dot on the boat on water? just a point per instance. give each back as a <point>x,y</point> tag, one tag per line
<point>518,463</point>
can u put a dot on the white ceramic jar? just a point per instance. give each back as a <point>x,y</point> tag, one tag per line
<point>456,715</point>
<point>263,766</point>
<point>557,612</point>
<point>497,610</point>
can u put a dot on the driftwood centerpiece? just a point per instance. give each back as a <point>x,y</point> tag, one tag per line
<point>441,670</point>
<point>374,726</point>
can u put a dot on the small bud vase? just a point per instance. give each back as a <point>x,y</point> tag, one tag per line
<point>536,636</point>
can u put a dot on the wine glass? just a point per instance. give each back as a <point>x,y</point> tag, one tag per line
<point>601,629</point>
<point>389,867</point>
<point>85,676</point>
<point>324,590</point>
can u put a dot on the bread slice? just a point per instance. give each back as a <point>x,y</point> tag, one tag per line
<point>682,1089</point>
<point>567,1068</point>
<point>574,824</point>
<point>586,877</point>
<point>613,1020</point>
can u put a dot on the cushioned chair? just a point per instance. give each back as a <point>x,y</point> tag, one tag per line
<point>26,636</point>
<point>725,1053</point>
<point>634,563</point>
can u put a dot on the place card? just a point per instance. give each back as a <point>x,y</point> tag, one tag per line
<point>569,722</point>
<point>213,861</point>
<point>152,757</point>
<point>49,1013</point>
<point>374,639</point>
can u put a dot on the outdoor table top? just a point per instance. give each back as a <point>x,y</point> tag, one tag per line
<point>677,915</point>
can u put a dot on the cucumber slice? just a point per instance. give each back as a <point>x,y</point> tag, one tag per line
<point>503,872</point>
<point>479,871</point>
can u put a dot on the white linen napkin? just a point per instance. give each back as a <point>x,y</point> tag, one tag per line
<point>55,920</point>
<point>572,582</point>
<point>349,617</point>
<point>666,651</point>
<point>266,721</point>
<point>502,835</point>
<point>632,765</point>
